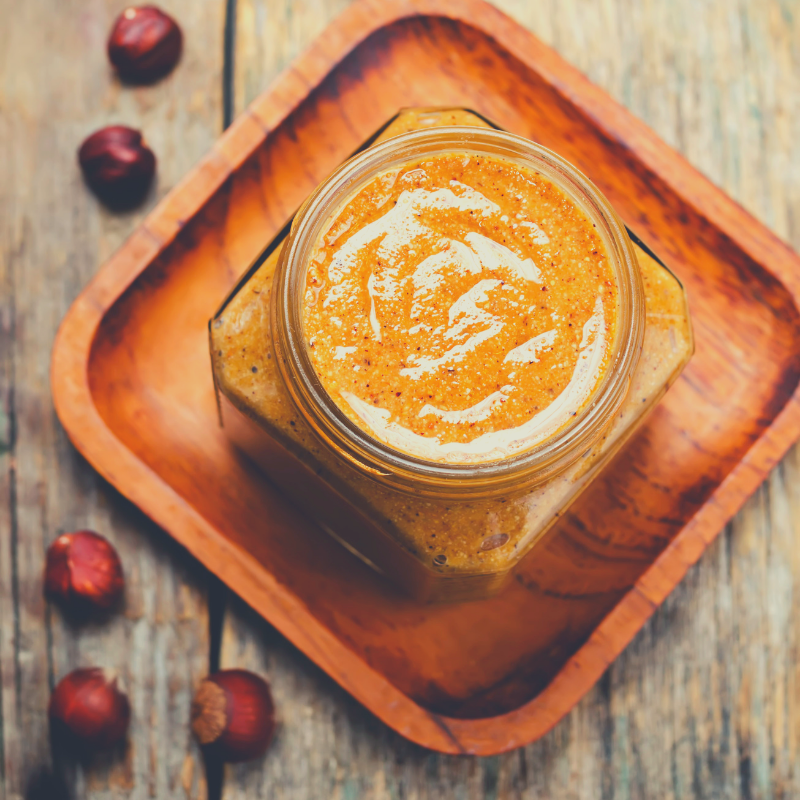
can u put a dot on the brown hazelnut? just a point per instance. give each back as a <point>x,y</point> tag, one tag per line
<point>83,568</point>
<point>117,165</point>
<point>144,44</point>
<point>88,710</point>
<point>233,716</point>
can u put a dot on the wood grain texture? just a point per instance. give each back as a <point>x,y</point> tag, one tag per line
<point>703,703</point>
<point>747,757</point>
<point>151,429</point>
<point>55,88</point>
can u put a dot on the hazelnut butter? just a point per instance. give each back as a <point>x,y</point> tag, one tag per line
<point>459,308</point>
<point>441,356</point>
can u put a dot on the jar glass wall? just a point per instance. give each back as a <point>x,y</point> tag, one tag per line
<point>443,532</point>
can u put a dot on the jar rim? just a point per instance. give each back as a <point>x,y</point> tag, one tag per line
<point>372,456</point>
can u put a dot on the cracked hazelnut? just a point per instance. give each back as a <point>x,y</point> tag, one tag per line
<point>233,716</point>
<point>117,165</point>
<point>145,44</point>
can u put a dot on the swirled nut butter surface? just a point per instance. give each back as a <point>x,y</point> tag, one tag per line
<point>460,308</point>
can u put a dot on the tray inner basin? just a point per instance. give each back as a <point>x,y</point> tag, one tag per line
<point>151,380</point>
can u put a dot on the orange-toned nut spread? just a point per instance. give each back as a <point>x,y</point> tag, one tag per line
<point>460,308</point>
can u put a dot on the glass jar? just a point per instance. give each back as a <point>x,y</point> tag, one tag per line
<point>441,531</point>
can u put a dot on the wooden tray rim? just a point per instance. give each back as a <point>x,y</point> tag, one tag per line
<point>133,478</point>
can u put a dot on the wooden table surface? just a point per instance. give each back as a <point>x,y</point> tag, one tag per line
<point>704,703</point>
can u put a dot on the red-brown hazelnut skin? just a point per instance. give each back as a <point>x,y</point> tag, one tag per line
<point>144,44</point>
<point>88,710</point>
<point>117,165</point>
<point>233,716</point>
<point>83,568</point>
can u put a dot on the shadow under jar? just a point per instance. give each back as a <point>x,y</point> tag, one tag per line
<point>416,433</point>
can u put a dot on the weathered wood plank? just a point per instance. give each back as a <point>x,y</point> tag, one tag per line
<point>703,703</point>
<point>269,35</point>
<point>56,87</point>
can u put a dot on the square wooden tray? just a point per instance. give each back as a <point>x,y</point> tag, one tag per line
<point>132,382</point>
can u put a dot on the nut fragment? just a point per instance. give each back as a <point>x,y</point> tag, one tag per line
<point>144,44</point>
<point>495,541</point>
<point>117,165</point>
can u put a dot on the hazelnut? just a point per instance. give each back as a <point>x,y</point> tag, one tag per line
<point>144,44</point>
<point>233,716</point>
<point>87,709</point>
<point>83,568</point>
<point>117,165</point>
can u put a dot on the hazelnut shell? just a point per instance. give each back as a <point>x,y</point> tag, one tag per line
<point>117,165</point>
<point>83,568</point>
<point>233,716</point>
<point>87,709</point>
<point>144,44</point>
